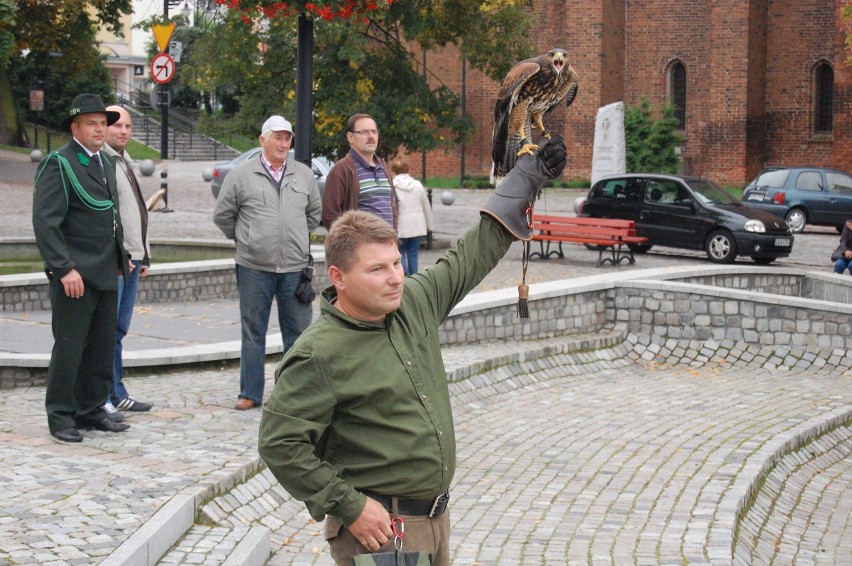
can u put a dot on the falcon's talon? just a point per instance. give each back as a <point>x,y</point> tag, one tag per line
<point>528,148</point>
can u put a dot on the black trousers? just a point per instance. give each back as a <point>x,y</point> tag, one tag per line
<point>80,371</point>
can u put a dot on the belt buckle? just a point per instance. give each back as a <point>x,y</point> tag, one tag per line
<point>439,505</point>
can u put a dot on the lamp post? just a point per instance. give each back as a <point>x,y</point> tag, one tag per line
<point>304,92</point>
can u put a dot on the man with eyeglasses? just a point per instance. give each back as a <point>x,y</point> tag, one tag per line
<point>361,180</point>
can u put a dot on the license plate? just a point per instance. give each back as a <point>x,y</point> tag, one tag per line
<point>757,197</point>
<point>782,242</point>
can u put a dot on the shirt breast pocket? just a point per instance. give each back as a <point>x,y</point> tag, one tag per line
<point>297,195</point>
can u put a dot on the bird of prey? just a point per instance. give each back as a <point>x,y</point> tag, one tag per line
<point>531,89</point>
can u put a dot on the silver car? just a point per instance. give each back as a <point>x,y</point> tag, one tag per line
<point>320,165</point>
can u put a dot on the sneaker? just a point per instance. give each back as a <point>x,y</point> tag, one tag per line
<point>113,413</point>
<point>131,404</point>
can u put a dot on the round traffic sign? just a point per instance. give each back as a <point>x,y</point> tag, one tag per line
<point>162,68</point>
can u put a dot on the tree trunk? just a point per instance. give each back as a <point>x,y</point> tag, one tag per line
<point>11,132</point>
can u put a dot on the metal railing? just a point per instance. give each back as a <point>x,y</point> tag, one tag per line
<point>146,117</point>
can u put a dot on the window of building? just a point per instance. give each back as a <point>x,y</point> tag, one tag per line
<point>824,99</point>
<point>677,92</point>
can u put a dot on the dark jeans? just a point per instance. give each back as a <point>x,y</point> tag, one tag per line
<point>126,302</point>
<point>257,289</point>
<point>409,248</point>
<point>842,265</point>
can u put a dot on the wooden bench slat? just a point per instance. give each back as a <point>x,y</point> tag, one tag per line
<point>605,233</point>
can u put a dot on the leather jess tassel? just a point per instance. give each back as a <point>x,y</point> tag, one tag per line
<point>523,288</point>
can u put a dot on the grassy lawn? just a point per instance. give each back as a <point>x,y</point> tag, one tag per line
<point>58,139</point>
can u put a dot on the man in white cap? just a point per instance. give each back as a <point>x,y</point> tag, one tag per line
<point>268,206</point>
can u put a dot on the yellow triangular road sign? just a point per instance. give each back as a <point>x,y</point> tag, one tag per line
<point>163,34</point>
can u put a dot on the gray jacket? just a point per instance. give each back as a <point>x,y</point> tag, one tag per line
<point>134,212</point>
<point>271,227</point>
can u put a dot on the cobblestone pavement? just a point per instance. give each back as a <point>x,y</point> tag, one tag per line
<point>624,452</point>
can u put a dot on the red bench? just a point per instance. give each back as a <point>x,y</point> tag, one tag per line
<point>603,234</point>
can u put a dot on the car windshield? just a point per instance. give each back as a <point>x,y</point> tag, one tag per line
<point>773,178</point>
<point>708,192</point>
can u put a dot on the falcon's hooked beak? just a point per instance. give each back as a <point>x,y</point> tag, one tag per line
<point>558,63</point>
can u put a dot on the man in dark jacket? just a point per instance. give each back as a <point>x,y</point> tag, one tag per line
<point>361,180</point>
<point>79,236</point>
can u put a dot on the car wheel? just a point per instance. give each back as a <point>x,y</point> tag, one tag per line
<point>639,248</point>
<point>763,260</point>
<point>721,247</point>
<point>796,220</point>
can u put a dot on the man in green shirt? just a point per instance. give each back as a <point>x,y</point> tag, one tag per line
<point>359,425</point>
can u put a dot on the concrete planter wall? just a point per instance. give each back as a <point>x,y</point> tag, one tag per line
<point>166,282</point>
<point>769,307</point>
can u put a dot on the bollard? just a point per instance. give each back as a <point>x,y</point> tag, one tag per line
<point>146,167</point>
<point>429,235</point>
<point>35,155</point>
<point>447,198</point>
<point>164,187</point>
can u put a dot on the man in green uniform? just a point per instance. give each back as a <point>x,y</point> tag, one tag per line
<point>359,425</point>
<point>78,232</point>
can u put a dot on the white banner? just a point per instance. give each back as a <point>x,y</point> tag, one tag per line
<point>609,156</point>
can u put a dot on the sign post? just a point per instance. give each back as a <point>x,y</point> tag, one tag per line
<point>163,71</point>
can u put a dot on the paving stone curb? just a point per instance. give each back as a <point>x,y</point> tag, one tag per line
<point>798,486</point>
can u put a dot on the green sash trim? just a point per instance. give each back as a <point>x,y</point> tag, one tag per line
<point>65,171</point>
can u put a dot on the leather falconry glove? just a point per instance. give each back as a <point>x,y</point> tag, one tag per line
<point>512,202</point>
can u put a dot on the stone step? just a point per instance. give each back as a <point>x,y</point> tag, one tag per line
<point>220,546</point>
<point>182,145</point>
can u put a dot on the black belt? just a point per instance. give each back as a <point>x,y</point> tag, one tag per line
<point>414,507</point>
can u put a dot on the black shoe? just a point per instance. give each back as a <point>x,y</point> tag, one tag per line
<point>69,434</point>
<point>131,404</point>
<point>106,424</point>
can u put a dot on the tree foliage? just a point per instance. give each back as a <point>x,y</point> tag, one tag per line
<point>52,45</point>
<point>362,63</point>
<point>651,141</point>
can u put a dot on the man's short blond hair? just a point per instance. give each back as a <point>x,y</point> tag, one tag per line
<point>352,229</point>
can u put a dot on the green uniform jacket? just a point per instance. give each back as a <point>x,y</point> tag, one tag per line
<point>69,233</point>
<point>362,407</point>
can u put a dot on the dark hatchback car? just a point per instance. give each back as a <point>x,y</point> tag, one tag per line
<point>320,165</point>
<point>690,213</point>
<point>803,195</point>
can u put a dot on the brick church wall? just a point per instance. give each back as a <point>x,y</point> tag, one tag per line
<point>801,35</point>
<point>749,81</point>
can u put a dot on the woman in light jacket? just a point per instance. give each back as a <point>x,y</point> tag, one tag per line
<point>415,213</point>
